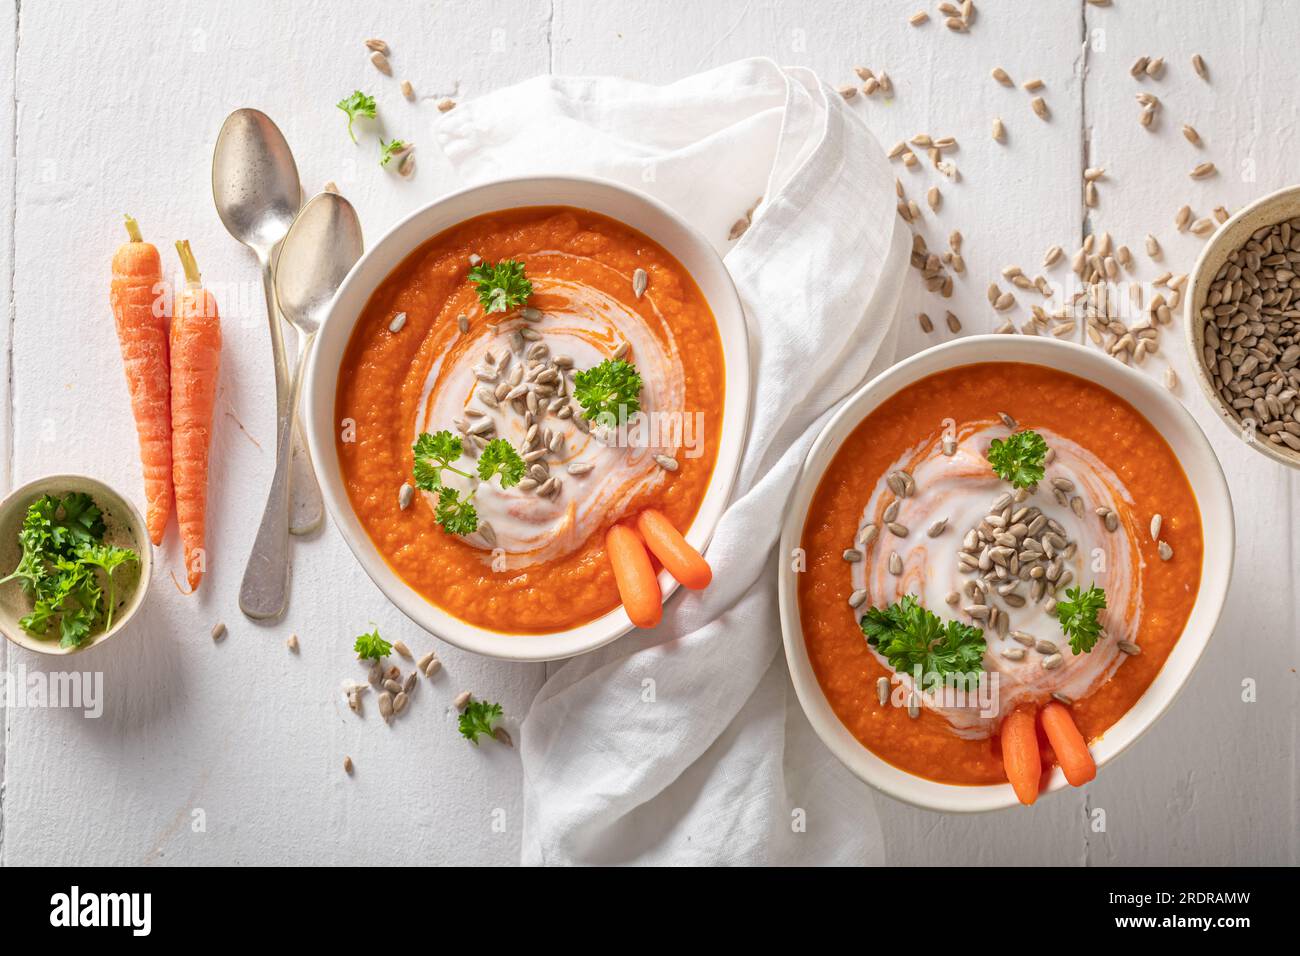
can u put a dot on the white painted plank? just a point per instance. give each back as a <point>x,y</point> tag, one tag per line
<point>1215,781</point>
<point>8,37</point>
<point>244,731</point>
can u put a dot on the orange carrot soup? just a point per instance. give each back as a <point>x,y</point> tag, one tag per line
<point>555,371</point>
<point>1008,525</point>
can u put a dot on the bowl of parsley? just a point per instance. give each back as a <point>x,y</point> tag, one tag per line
<point>75,564</point>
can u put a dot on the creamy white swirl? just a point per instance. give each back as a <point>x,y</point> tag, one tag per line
<point>585,325</point>
<point>961,488</point>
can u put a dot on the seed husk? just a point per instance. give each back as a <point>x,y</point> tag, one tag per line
<point>1001,76</point>
<point>895,564</point>
<point>462,700</point>
<point>1198,64</point>
<point>916,20</point>
<point>1203,170</point>
<point>1155,67</point>
<point>1128,647</point>
<point>954,323</point>
<point>857,598</point>
<point>1190,134</point>
<point>640,280</point>
<point>934,198</point>
<point>408,90</point>
<point>386,705</point>
<point>1039,106</point>
<point>381,63</point>
<point>347,765</point>
<point>999,130</point>
<point>1052,661</point>
<point>926,325</point>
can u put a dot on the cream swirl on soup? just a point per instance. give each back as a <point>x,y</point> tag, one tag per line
<point>957,493</point>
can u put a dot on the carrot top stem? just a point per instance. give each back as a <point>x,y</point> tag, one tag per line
<point>189,263</point>
<point>133,229</point>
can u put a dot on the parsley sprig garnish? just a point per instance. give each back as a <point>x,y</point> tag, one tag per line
<point>1078,617</point>
<point>358,104</point>
<point>605,388</point>
<point>63,558</point>
<point>1020,459</point>
<point>479,718</point>
<point>435,453</point>
<point>371,646</point>
<point>501,285</point>
<point>388,150</point>
<point>909,634</point>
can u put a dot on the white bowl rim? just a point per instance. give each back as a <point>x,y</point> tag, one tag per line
<point>138,529</point>
<point>550,190</point>
<point>1164,688</point>
<point>1199,279</point>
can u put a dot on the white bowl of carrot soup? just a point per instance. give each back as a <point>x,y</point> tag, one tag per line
<point>1001,563</point>
<point>511,372</point>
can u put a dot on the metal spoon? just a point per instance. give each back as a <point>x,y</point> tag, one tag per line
<point>322,245</point>
<point>257,193</point>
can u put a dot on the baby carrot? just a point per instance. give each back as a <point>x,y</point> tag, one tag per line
<point>136,297</point>
<point>667,544</point>
<point>196,358</point>
<point>1020,756</point>
<point>637,584</point>
<point>1070,747</point>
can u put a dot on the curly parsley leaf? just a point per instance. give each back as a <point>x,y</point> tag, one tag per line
<point>909,634</point>
<point>388,150</point>
<point>605,388</point>
<point>1020,459</point>
<point>455,516</point>
<point>1078,617</point>
<point>371,646</point>
<point>358,104</point>
<point>500,458</point>
<point>502,285</point>
<point>479,718</point>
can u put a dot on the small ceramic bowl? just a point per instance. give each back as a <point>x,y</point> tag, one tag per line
<point>1270,209</point>
<point>125,529</point>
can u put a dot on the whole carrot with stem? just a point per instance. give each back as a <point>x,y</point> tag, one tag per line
<point>195,363</point>
<point>139,310</point>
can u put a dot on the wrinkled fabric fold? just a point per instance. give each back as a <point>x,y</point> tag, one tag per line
<point>686,744</point>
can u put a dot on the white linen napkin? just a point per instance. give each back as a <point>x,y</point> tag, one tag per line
<point>720,766</point>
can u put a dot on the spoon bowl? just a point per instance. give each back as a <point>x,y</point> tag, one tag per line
<point>323,245</point>
<point>255,180</point>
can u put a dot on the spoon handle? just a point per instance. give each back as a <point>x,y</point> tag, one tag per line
<point>307,510</point>
<point>264,592</point>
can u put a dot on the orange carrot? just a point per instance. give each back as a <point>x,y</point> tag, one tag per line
<point>637,584</point>
<point>141,318</point>
<point>1070,747</point>
<point>196,358</point>
<point>1020,756</point>
<point>667,544</point>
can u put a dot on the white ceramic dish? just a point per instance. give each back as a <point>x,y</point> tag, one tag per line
<point>640,212</point>
<point>124,527</point>
<point>1265,211</point>
<point>1159,408</point>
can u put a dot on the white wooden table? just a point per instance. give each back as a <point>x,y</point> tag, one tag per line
<point>232,752</point>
